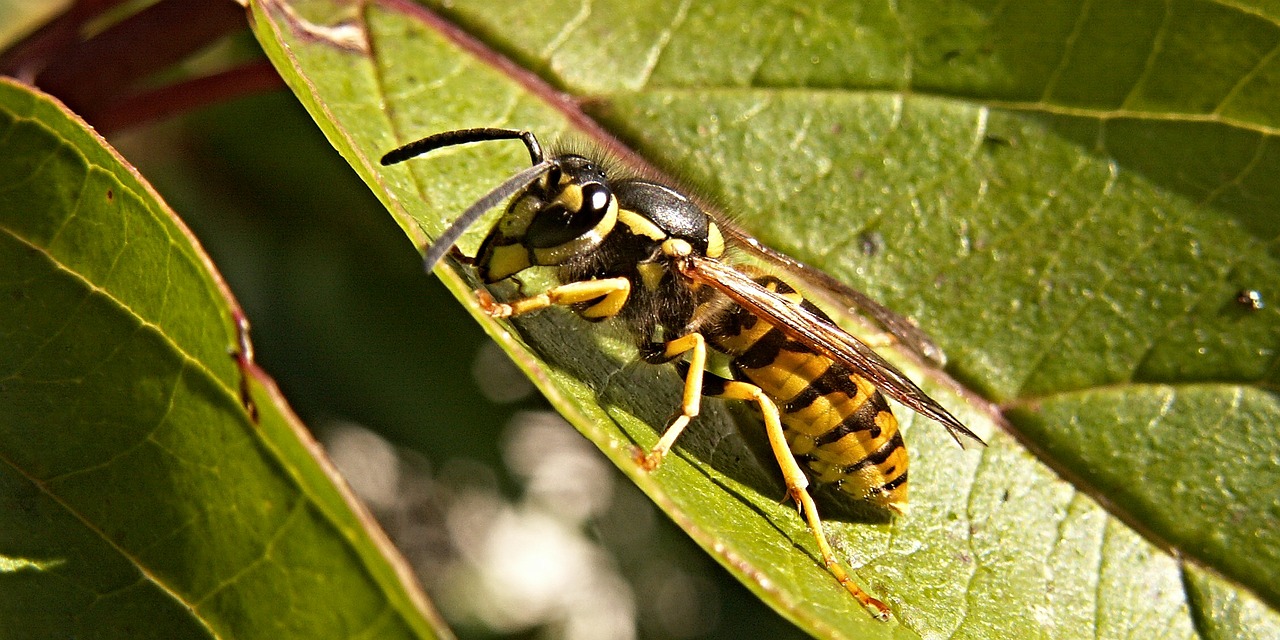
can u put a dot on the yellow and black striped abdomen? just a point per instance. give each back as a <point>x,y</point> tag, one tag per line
<point>836,422</point>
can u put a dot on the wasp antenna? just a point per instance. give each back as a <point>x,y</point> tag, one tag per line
<point>463,136</point>
<point>435,252</point>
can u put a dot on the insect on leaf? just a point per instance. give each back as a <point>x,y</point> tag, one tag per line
<point>1069,199</point>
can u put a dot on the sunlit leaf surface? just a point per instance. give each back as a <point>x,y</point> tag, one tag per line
<point>1070,197</point>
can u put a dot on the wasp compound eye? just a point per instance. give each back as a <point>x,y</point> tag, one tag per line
<point>575,212</point>
<point>595,200</point>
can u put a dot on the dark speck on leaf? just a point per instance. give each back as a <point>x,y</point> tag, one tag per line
<point>993,141</point>
<point>871,242</point>
<point>1250,299</point>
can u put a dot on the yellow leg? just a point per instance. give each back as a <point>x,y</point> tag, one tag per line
<point>612,293</point>
<point>690,403</point>
<point>796,482</point>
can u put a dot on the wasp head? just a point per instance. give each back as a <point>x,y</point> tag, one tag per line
<point>565,214</point>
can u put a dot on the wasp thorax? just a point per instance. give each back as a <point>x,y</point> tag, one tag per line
<point>567,213</point>
<point>660,213</point>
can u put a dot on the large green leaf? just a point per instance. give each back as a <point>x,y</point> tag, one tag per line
<point>1068,196</point>
<point>140,499</point>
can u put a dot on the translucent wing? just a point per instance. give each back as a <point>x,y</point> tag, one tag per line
<point>839,294</point>
<point>825,338</point>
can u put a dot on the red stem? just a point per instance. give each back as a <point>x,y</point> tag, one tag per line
<point>99,76</point>
<point>95,72</point>
<point>179,97</point>
<point>31,55</point>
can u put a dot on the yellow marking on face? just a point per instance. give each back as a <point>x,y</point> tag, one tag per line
<point>641,226</point>
<point>609,221</point>
<point>506,260</point>
<point>570,196</point>
<point>557,254</point>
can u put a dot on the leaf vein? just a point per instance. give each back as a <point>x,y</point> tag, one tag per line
<point>102,535</point>
<point>1098,571</point>
<point>264,555</point>
<point>1157,47</point>
<point>146,324</point>
<point>663,43</point>
<point>1107,278</point>
<point>1246,78</point>
<point>570,26</point>
<point>1174,320</point>
<point>1064,60</point>
<point>1237,181</point>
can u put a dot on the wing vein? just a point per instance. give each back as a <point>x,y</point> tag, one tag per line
<point>826,338</point>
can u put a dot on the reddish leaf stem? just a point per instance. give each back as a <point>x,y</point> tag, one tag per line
<point>96,71</point>
<point>179,97</point>
<point>102,75</point>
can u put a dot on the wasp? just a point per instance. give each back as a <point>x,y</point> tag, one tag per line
<point>644,253</point>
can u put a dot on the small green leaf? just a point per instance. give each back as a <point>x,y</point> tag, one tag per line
<point>139,497</point>
<point>1068,196</point>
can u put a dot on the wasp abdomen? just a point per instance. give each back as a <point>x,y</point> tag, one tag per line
<point>837,424</point>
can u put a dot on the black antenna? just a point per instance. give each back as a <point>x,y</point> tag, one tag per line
<point>436,250</point>
<point>463,136</point>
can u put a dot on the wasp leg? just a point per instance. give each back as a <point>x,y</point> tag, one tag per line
<point>691,402</point>
<point>612,293</point>
<point>796,483</point>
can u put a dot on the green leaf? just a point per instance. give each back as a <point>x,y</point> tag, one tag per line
<point>1069,197</point>
<point>139,497</point>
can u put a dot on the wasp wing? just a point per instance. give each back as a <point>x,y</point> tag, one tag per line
<point>840,294</point>
<point>825,338</point>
